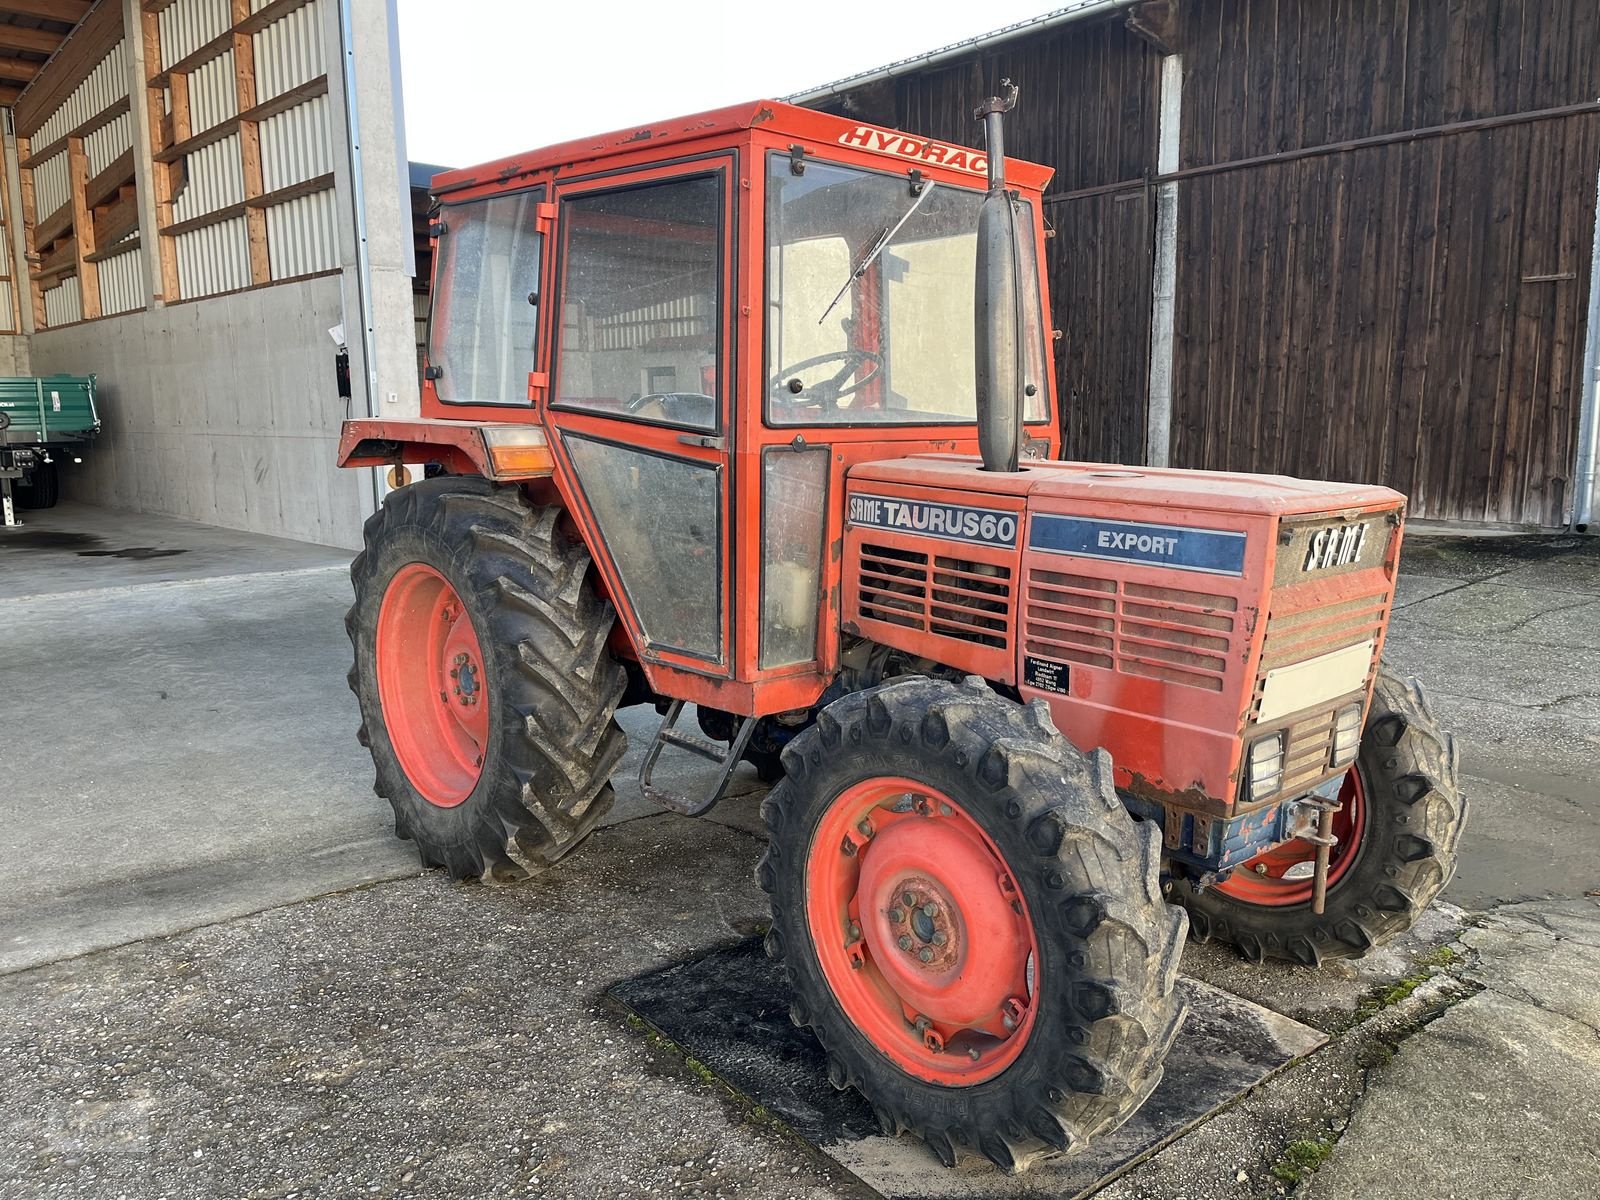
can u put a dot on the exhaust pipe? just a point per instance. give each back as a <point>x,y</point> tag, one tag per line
<point>997,311</point>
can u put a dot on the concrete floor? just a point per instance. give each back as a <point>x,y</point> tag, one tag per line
<point>177,741</point>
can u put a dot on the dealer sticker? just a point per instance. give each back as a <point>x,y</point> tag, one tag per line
<point>1044,674</point>
<point>953,522</point>
<point>1213,551</point>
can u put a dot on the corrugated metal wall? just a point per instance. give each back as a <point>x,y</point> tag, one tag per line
<point>108,143</point>
<point>303,236</point>
<point>289,52</point>
<point>213,93</point>
<point>122,282</point>
<point>186,25</point>
<point>212,196</point>
<point>103,90</point>
<point>50,184</point>
<point>106,85</point>
<point>215,258</point>
<point>63,304</point>
<point>296,148</point>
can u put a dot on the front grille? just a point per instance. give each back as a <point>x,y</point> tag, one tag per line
<point>1308,752</point>
<point>1171,634</point>
<point>1294,637</point>
<point>956,598</point>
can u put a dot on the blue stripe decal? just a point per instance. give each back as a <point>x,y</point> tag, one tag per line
<point>1214,551</point>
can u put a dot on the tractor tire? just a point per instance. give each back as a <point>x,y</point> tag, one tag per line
<point>1402,819</point>
<point>43,489</point>
<point>477,636</point>
<point>1027,880</point>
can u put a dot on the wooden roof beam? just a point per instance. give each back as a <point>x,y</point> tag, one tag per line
<point>40,41</point>
<point>68,11</point>
<point>18,69</point>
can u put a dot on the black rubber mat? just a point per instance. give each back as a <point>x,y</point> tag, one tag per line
<point>730,1011</point>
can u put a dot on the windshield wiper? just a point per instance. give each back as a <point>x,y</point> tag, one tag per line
<point>876,249</point>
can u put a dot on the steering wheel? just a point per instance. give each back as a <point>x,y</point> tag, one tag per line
<point>830,391</point>
<point>688,408</point>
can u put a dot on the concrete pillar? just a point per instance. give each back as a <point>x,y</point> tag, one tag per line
<point>376,248</point>
<point>144,186</point>
<point>1164,286</point>
<point>18,237</point>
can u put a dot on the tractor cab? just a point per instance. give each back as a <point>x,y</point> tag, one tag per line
<point>693,332</point>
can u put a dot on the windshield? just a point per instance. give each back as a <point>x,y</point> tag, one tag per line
<point>896,345</point>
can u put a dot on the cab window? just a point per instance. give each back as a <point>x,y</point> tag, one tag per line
<point>641,302</point>
<point>482,336</point>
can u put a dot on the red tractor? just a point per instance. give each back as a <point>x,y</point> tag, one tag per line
<point>755,411</point>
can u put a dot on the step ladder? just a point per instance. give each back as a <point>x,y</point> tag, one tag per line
<point>725,758</point>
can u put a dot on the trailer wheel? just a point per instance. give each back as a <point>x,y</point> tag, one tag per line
<point>970,922</point>
<point>1402,816</point>
<point>488,695</point>
<point>43,489</point>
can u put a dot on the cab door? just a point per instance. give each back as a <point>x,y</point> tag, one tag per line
<point>639,396</point>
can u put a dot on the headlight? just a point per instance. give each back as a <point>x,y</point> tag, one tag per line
<point>1346,734</point>
<point>1266,765</point>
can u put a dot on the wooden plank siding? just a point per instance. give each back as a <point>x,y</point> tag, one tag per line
<point>1408,311</point>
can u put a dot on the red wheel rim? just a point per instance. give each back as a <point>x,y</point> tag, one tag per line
<point>431,683</point>
<point>922,932</point>
<point>1272,878</point>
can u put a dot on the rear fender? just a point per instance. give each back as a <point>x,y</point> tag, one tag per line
<point>457,446</point>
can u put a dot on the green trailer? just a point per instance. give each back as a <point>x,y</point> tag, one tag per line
<point>44,420</point>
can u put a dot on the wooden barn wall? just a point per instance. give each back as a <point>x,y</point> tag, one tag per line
<point>1088,108</point>
<point>1409,313</point>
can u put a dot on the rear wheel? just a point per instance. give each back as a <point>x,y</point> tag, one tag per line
<point>43,489</point>
<point>1400,818</point>
<point>970,922</point>
<point>487,692</point>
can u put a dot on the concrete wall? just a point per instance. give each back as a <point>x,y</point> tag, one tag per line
<point>222,410</point>
<point>14,355</point>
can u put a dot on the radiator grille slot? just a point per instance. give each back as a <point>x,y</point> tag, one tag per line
<point>954,598</point>
<point>1308,752</point>
<point>1171,634</point>
<point>1296,636</point>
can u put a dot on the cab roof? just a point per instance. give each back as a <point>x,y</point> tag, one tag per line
<point>787,122</point>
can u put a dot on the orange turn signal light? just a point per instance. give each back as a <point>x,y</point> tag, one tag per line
<point>518,451</point>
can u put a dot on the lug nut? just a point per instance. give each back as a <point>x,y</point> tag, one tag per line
<point>940,938</point>
<point>855,930</point>
<point>930,908</point>
<point>925,955</point>
<point>865,828</point>
<point>903,942</point>
<point>907,899</point>
<point>972,1053</point>
<point>897,915</point>
<point>455,672</point>
<point>946,811</point>
<point>1261,868</point>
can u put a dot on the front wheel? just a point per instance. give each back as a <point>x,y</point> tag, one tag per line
<point>970,921</point>
<point>1401,816</point>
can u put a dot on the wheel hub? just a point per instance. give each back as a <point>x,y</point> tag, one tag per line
<point>431,685</point>
<point>921,931</point>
